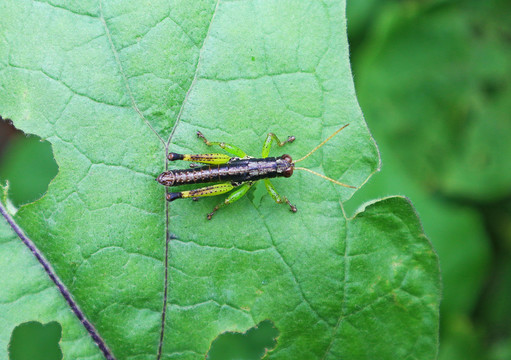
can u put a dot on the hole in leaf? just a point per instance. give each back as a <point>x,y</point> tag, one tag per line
<point>26,162</point>
<point>251,345</point>
<point>35,341</point>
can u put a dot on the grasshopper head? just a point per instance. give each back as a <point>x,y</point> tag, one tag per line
<point>166,178</point>
<point>285,164</point>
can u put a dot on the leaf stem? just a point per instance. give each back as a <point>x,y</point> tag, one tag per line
<point>60,285</point>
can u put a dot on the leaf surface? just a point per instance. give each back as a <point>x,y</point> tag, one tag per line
<point>450,227</point>
<point>109,83</point>
<point>29,295</point>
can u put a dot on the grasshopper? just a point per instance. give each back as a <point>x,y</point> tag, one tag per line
<point>239,172</point>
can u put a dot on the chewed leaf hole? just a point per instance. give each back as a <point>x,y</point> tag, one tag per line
<point>26,162</point>
<point>251,345</point>
<point>35,341</point>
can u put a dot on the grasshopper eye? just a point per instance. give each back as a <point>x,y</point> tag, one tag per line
<point>288,172</point>
<point>287,158</point>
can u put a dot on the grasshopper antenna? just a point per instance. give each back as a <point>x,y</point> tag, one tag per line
<point>313,151</point>
<point>325,177</point>
<point>320,145</point>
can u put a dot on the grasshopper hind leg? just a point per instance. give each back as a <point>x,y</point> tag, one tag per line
<point>211,190</point>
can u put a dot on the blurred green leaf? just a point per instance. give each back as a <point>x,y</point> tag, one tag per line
<point>360,14</point>
<point>433,80</point>
<point>495,314</point>
<point>29,166</point>
<point>35,341</point>
<point>435,85</point>
<point>251,345</point>
<point>501,350</point>
<point>460,339</point>
<point>334,287</point>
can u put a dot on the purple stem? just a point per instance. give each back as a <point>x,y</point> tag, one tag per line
<point>60,285</point>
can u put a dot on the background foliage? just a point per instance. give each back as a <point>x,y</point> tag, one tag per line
<point>434,81</point>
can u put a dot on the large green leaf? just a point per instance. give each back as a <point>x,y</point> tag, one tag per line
<point>29,295</point>
<point>456,231</point>
<point>108,83</point>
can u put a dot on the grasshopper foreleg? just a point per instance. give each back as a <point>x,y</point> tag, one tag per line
<point>231,149</point>
<point>279,199</point>
<point>272,137</point>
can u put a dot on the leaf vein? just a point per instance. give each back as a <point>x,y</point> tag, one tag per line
<point>343,303</point>
<point>55,6</point>
<point>251,251</point>
<point>195,76</point>
<point>123,74</point>
<point>290,268</point>
<point>167,214</point>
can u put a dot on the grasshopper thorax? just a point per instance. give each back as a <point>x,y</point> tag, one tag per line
<point>285,165</point>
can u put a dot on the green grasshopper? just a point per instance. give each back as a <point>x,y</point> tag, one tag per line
<point>239,172</point>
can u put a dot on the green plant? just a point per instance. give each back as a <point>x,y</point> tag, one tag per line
<point>108,85</point>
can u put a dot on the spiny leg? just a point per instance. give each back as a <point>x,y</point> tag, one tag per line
<point>211,190</point>
<point>213,159</point>
<point>234,196</point>
<point>272,137</point>
<point>275,195</point>
<point>231,149</point>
